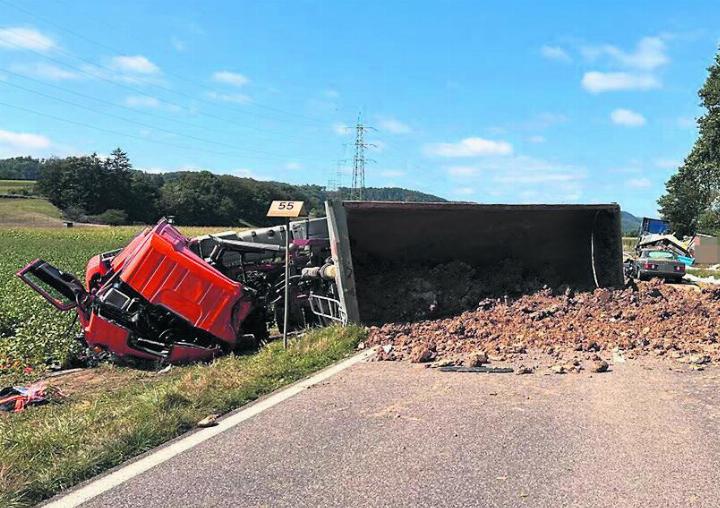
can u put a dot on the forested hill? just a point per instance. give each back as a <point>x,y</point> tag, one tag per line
<point>109,190</point>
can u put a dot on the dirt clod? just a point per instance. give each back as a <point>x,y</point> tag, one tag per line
<point>599,366</point>
<point>475,359</point>
<point>422,354</point>
<point>523,369</point>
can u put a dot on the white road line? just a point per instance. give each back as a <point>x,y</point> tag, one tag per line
<point>105,483</point>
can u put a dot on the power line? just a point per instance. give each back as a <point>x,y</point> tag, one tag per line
<point>113,104</point>
<point>115,50</point>
<point>109,131</point>
<point>118,133</point>
<point>133,89</point>
<point>141,124</point>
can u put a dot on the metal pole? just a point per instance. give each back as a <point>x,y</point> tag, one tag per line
<point>287,283</point>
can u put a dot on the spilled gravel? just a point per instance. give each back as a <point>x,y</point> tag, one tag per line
<point>566,332</point>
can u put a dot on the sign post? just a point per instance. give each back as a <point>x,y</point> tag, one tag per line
<point>288,210</point>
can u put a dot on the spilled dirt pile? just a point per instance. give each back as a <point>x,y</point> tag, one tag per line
<point>650,319</point>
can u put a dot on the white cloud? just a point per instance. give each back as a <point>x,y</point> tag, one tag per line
<point>638,183</point>
<point>462,171</point>
<point>598,82</point>
<point>230,78</point>
<point>237,98</point>
<point>16,37</point>
<point>136,64</point>
<point>648,55</point>
<point>142,101</point>
<point>469,147</point>
<point>555,53</point>
<point>331,93</point>
<point>393,126</point>
<point>45,71</point>
<point>392,173</point>
<point>341,129</point>
<point>627,118</point>
<point>23,140</point>
<point>292,165</point>
<point>536,139</point>
<point>518,178</point>
<point>464,191</point>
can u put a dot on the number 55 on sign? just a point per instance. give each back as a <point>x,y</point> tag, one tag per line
<point>287,209</point>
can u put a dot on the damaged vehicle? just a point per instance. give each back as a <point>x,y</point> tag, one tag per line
<point>168,298</point>
<point>659,263</point>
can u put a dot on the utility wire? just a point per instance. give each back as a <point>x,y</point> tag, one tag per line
<point>118,133</point>
<point>115,50</point>
<point>109,131</point>
<point>131,88</point>
<point>116,105</point>
<point>141,124</point>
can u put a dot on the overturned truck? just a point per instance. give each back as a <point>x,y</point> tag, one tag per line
<point>165,297</point>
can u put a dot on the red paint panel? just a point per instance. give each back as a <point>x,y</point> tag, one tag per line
<point>99,332</point>
<point>166,272</point>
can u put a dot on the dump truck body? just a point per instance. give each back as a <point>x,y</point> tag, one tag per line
<point>577,246</point>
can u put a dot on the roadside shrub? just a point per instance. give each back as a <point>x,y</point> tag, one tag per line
<point>111,217</point>
<point>75,213</point>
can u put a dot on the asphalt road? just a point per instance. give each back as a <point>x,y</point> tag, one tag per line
<point>389,434</point>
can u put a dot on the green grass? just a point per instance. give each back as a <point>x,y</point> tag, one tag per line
<point>16,186</point>
<point>28,212</point>
<point>50,448</point>
<point>703,272</point>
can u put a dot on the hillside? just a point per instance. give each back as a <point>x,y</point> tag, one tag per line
<point>28,212</point>
<point>629,223</point>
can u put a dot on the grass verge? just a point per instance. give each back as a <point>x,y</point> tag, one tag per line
<point>704,272</point>
<point>50,448</point>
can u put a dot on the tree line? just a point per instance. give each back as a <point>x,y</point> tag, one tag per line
<point>110,190</point>
<point>691,202</point>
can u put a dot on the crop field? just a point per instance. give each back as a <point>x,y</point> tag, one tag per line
<point>32,333</point>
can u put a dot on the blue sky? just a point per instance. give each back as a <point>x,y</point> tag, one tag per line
<point>508,102</point>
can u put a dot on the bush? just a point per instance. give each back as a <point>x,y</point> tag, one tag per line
<point>75,213</point>
<point>111,217</point>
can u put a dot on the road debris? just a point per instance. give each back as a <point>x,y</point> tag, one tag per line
<point>16,398</point>
<point>570,331</point>
<point>486,370</point>
<point>208,421</point>
<point>599,366</point>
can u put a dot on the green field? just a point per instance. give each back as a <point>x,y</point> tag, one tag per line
<point>16,186</point>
